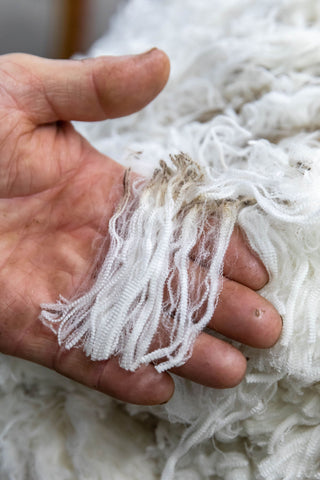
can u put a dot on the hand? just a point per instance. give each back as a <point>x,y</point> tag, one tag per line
<point>55,192</point>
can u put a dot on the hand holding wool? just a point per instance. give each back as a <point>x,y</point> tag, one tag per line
<point>57,193</point>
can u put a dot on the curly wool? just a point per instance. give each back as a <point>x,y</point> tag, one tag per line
<point>146,282</point>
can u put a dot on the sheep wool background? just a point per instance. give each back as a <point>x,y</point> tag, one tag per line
<point>243,102</point>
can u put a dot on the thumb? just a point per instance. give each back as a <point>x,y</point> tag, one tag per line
<point>86,90</point>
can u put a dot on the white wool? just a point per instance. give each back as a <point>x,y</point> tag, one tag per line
<point>242,102</point>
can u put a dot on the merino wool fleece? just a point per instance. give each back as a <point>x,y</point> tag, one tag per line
<point>243,104</point>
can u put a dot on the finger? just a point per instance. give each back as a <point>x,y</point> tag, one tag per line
<point>245,316</point>
<point>86,90</point>
<point>241,264</point>
<point>214,363</point>
<point>144,386</point>
<point>241,314</point>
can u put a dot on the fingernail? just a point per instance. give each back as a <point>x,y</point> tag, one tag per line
<point>168,399</point>
<point>148,52</point>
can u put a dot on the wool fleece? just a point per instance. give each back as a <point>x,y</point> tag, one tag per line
<point>243,105</point>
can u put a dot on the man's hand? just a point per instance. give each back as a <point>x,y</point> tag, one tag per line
<point>56,191</point>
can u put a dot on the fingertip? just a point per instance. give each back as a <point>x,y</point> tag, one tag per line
<point>242,264</point>
<point>214,363</point>
<point>154,70</point>
<point>245,316</point>
<point>152,387</point>
<point>270,326</point>
<point>162,61</point>
<point>260,276</point>
<point>165,390</point>
<point>127,84</point>
<point>235,365</point>
<point>144,386</point>
<point>239,370</point>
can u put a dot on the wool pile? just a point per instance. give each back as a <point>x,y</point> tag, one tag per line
<point>243,104</point>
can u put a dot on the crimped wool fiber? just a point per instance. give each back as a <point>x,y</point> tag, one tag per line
<point>243,104</point>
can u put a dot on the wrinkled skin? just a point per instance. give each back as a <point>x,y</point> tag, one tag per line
<point>57,191</point>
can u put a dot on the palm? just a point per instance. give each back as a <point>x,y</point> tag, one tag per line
<point>47,232</point>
